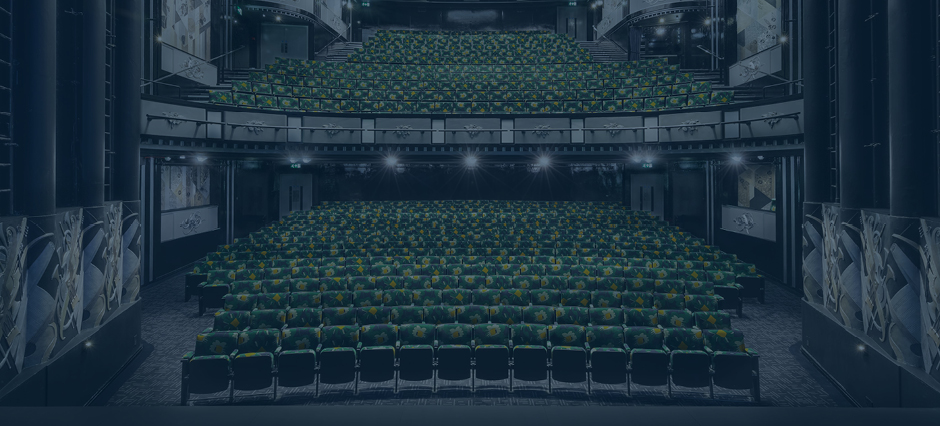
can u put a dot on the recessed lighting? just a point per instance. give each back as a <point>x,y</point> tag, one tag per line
<point>306,160</point>
<point>860,347</point>
<point>661,20</point>
<point>471,161</point>
<point>783,39</point>
<point>201,158</point>
<point>545,161</point>
<point>708,21</point>
<point>391,161</point>
<point>277,18</point>
<point>182,157</point>
<point>88,344</point>
<point>293,160</point>
<point>736,159</point>
<point>159,39</point>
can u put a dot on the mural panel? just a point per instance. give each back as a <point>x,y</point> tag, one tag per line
<point>850,267</point>
<point>758,26</point>
<point>130,248</point>
<point>890,285</point>
<point>12,297</point>
<point>185,26</point>
<point>813,249</point>
<point>930,295</point>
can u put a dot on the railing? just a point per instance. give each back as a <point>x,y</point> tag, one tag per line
<point>784,83</point>
<point>150,117</point>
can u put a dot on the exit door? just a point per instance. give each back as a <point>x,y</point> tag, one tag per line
<point>648,193</point>
<point>296,193</point>
<point>572,27</point>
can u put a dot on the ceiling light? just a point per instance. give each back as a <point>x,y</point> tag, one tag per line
<point>471,161</point>
<point>661,20</point>
<point>708,21</point>
<point>293,160</point>
<point>182,157</point>
<point>391,161</point>
<point>760,157</point>
<point>277,18</point>
<point>783,39</point>
<point>306,160</point>
<point>201,158</point>
<point>159,39</point>
<point>544,161</point>
<point>736,159</point>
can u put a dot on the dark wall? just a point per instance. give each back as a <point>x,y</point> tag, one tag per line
<point>766,255</point>
<point>687,207</point>
<point>464,17</point>
<point>337,182</point>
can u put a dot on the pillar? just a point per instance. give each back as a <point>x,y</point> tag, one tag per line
<point>34,130</point>
<point>127,66</point>
<point>912,145</point>
<point>94,41</point>
<point>855,104</point>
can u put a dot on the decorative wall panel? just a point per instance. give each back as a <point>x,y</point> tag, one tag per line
<point>813,248</point>
<point>849,263</point>
<point>757,187</point>
<point>758,24</point>
<point>12,297</point>
<point>930,295</point>
<point>890,284</point>
<point>130,245</point>
<point>184,187</point>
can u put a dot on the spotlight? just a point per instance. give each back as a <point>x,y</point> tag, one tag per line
<point>201,158</point>
<point>159,39</point>
<point>88,344</point>
<point>293,160</point>
<point>783,39</point>
<point>708,21</point>
<point>648,160</point>
<point>167,158</point>
<point>736,159</point>
<point>391,161</point>
<point>760,157</point>
<point>661,20</point>
<point>860,347</point>
<point>182,157</point>
<point>306,160</point>
<point>637,159</point>
<point>471,161</point>
<point>235,21</point>
<point>544,161</point>
<point>277,18</point>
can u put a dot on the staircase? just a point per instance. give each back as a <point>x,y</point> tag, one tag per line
<point>604,51</point>
<point>337,52</point>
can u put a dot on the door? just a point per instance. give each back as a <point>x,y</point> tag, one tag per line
<point>296,193</point>
<point>647,193</point>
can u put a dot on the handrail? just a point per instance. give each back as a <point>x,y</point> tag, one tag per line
<point>793,115</point>
<point>627,52</point>
<point>328,44</point>
<point>764,89</point>
<point>179,89</point>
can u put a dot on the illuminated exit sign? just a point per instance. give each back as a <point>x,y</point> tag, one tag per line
<point>572,3</point>
<point>647,165</point>
<point>295,166</point>
<point>365,4</point>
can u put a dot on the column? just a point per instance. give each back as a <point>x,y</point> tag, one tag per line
<point>912,145</point>
<point>34,102</point>
<point>843,284</point>
<point>815,142</point>
<point>127,66</point>
<point>94,40</point>
<point>913,185</point>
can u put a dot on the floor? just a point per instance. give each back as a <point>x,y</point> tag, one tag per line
<point>170,325</point>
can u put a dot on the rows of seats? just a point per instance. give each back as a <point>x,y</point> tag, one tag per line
<point>252,359</point>
<point>412,290</point>
<point>490,72</point>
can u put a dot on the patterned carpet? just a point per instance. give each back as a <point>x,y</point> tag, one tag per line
<point>170,326</point>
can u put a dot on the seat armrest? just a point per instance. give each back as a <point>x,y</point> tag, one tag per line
<point>319,347</point>
<point>207,330</point>
<point>626,347</point>
<point>548,345</point>
<point>709,351</point>
<point>278,350</point>
<point>233,354</point>
<point>202,284</point>
<point>752,352</point>
<point>188,356</point>
<point>587,346</point>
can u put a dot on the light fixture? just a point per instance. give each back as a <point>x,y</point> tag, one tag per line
<point>860,347</point>
<point>637,159</point>
<point>544,161</point>
<point>783,39</point>
<point>235,21</point>
<point>159,39</point>
<point>708,21</point>
<point>277,18</point>
<point>88,344</point>
<point>306,160</point>
<point>760,157</point>
<point>201,158</point>
<point>736,159</point>
<point>661,20</point>
<point>471,161</point>
<point>182,157</point>
<point>648,159</point>
<point>391,161</point>
<point>167,158</point>
<point>293,160</point>
<point>349,4</point>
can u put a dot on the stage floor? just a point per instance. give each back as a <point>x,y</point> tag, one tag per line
<point>170,326</point>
